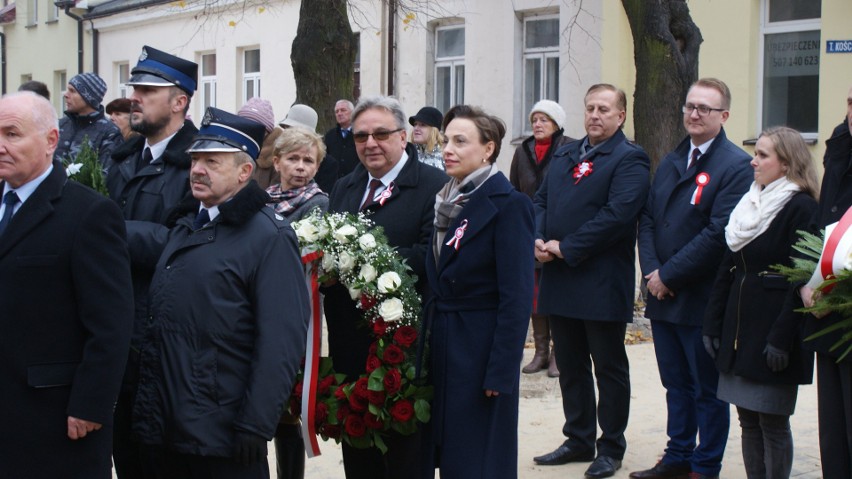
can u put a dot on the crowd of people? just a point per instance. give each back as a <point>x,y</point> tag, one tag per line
<point>179,308</point>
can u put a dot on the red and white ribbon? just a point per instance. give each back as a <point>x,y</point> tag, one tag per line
<point>835,253</point>
<point>457,236</point>
<point>312,352</point>
<point>386,194</point>
<point>701,179</point>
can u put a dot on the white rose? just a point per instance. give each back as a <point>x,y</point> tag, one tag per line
<point>328,262</point>
<point>73,169</point>
<point>391,309</point>
<point>323,229</point>
<point>354,293</point>
<point>389,282</point>
<point>367,241</point>
<point>345,233</point>
<point>368,273</point>
<point>306,232</point>
<point>345,262</point>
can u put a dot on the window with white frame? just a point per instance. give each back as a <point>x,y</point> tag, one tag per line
<point>449,67</point>
<point>60,84</point>
<point>52,12</point>
<point>32,13</point>
<point>123,74</point>
<point>251,74</point>
<point>790,70</point>
<point>541,62</point>
<point>208,81</point>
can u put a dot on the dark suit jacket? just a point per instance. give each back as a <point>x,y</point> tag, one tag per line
<point>594,220</point>
<point>685,241</point>
<point>407,221</point>
<point>67,310</point>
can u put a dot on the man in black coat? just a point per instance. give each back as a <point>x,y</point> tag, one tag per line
<point>586,212</point>
<point>834,383</point>
<point>65,305</point>
<point>398,193</point>
<point>149,176</point>
<point>229,309</point>
<point>339,143</point>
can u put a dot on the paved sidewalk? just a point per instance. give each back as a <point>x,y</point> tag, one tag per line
<point>541,420</point>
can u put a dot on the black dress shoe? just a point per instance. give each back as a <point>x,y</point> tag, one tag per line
<point>662,470</point>
<point>563,455</point>
<point>604,466</point>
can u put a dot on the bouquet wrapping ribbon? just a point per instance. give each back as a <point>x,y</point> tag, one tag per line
<point>312,351</point>
<point>836,252</point>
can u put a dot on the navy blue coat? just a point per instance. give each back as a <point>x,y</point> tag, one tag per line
<point>483,299</point>
<point>67,311</point>
<point>685,241</point>
<point>594,220</point>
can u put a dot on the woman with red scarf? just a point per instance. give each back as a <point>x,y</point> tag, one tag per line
<point>529,165</point>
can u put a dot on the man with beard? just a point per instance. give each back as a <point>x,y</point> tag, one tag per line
<point>149,176</point>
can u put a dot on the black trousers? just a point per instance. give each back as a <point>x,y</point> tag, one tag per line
<point>402,461</point>
<point>162,463</point>
<point>834,395</point>
<point>126,455</point>
<point>578,344</point>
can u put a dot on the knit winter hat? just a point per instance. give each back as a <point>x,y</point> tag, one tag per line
<point>91,87</point>
<point>259,110</point>
<point>551,109</point>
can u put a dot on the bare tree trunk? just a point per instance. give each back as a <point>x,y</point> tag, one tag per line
<point>323,55</point>
<point>665,44</point>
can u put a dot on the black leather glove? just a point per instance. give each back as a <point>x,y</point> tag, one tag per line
<point>249,448</point>
<point>711,345</point>
<point>776,359</point>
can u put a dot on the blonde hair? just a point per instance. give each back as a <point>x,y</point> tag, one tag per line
<point>433,139</point>
<point>295,138</point>
<point>794,154</point>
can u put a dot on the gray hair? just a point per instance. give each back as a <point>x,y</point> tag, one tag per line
<point>387,103</point>
<point>43,114</point>
<point>347,102</point>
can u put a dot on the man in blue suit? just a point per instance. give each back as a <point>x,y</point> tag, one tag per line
<point>586,213</point>
<point>681,242</point>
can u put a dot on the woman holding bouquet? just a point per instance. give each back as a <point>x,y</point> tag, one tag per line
<point>480,271</point>
<point>750,327</point>
<point>296,157</point>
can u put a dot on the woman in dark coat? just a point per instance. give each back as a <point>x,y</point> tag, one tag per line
<point>480,272</point>
<point>529,165</point>
<point>750,326</point>
<point>296,157</point>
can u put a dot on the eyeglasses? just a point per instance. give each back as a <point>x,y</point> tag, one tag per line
<point>703,110</point>
<point>361,137</point>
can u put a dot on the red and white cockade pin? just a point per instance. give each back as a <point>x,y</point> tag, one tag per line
<point>457,236</point>
<point>581,170</point>
<point>701,179</point>
<point>386,194</point>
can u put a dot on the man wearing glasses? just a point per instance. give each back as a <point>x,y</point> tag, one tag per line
<point>681,242</point>
<point>397,192</point>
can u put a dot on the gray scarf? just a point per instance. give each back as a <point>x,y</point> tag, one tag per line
<point>450,201</point>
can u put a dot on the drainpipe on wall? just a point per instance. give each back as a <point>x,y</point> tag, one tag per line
<point>3,62</point>
<point>68,4</point>
<point>391,44</point>
<point>95,47</point>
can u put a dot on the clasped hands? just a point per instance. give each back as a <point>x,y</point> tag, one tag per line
<point>548,251</point>
<point>78,428</point>
<point>656,286</point>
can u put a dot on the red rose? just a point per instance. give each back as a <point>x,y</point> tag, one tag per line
<point>342,412</point>
<point>393,355</point>
<point>367,302</point>
<point>372,421</point>
<point>379,327</point>
<point>392,381</point>
<point>321,413</point>
<point>376,397</point>
<point>325,384</point>
<point>357,403</point>
<point>374,347</point>
<point>405,336</point>
<point>340,392</point>
<point>373,363</point>
<point>331,430</point>
<point>297,389</point>
<point>355,425</point>
<point>360,389</point>
<point>402,410</point>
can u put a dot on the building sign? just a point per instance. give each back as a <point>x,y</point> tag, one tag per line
<point>838,46</point>
<point>792,54</point>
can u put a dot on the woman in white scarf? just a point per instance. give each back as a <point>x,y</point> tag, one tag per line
<point>750,327</point>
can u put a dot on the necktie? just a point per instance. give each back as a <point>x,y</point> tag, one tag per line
<point>695,154</point>
<point>201,219</point>
<point>371,195</point>
<point>344,133</point>
<point>10,200</point>
<point>145,160</point>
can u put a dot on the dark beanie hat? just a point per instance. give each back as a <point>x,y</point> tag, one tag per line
<point>91,87</point>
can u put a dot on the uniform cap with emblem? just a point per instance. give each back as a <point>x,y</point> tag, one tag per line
<point>223,132</point>
<point>158,68</point>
